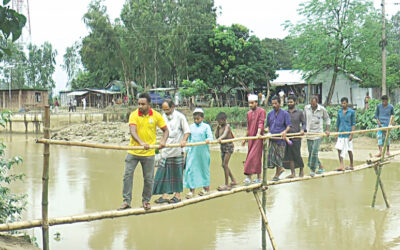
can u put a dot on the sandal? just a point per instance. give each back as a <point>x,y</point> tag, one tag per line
<point>174,200</point>
<point>340,169</point>
<point>233,183</point>
<point>224,188</point>
<point>247,181</point>
<point>202,193</point>
<point>161,200</point>
<point>275,178</point>
<point>349,168</point>
<point>257,181</point>
<point>124,206</point>
<point>146,205</point>
<point>189,195</point>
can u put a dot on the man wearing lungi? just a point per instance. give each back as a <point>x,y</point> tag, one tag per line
<point>346,122</point>
<point>316,115</point>
<point>255,127</point>
<point>278,122</point>
<point>169,176</point>
<point>298,125</point>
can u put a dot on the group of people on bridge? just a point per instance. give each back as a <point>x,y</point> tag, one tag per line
<point>189,166</point>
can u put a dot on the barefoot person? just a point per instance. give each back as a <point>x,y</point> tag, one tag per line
<point>224,132</point>
<point>316,115</point>
<point>383,113</point>
<point>278,121</point>
<point>255,127</point>
<point>142,126</point>
<point>298,125</point>
<point>197,173</point>
<point>169,175</point>
<point>346,122</point>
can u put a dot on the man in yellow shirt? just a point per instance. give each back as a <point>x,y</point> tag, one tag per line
<point>143,123</point>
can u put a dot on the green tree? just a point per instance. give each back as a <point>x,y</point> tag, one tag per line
<point>72,62</point>
<point>13,68</point>
<point>11,24</point>
<point>393,59</point>
<point>330,35</point>
<point>98,51</point>
<point>41,62</point>
<point>236,59</point>
<point>282,54</point>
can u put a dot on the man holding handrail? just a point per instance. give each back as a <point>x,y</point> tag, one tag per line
<point>383,113</point>
<point>143,123</point>
<point>316,115</point>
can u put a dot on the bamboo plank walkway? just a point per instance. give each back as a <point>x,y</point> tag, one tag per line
<point>156,209</point>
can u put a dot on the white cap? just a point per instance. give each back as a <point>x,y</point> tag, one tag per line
<point>198,110</point>
<point>253,97</point>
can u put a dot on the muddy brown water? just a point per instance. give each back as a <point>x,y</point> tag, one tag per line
<point>328,213</point>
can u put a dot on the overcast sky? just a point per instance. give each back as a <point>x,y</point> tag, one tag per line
<point>60,22</point>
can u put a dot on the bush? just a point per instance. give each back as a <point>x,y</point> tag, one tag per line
<point>11,205</point>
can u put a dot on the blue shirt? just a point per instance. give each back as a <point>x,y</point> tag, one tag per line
<point>383,113</point>
<point>278,121</point>
<point>344,122</point>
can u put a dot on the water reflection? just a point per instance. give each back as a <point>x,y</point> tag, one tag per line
<point>329,213</point>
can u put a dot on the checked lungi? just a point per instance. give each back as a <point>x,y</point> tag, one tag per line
<point>276,153</point>
<point>169,176</point>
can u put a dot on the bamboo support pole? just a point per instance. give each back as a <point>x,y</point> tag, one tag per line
<point>378,170</point>
<point>45,181</point>
<point>268,136</point>
<point>264,200</point>
<point>265,221</point>
<point>141,211</point>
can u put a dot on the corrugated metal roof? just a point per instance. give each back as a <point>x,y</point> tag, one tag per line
<point>288,77</point>
<point>77,93</point>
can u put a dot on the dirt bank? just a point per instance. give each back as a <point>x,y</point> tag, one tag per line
<point>8,242</point>
<point>117,133</point>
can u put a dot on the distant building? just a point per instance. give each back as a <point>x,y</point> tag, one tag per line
<point>318,84</point>
<point>94,97</point>
<point>17,99</point>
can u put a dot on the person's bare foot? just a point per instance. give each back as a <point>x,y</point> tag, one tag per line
<point>388,153</point>
<point>301,173</point>
<point>378,155</point>
<point>146,205</point>
<point>291,176</point>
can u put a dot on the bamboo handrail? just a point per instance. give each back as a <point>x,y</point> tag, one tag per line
<point>269,136</point>
<point>141,211</point>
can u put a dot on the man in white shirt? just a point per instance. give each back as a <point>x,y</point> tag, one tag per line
<point>316,115</point>
<point>282,96</point>
<point>169,176</point>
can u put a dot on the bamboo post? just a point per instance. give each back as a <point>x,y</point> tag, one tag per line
<point>264,198</point>
<point>45,180</point>
<point>265,221</point>
<point>378,170</point>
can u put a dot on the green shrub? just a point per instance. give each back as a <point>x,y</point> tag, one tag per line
<point>11,205</point>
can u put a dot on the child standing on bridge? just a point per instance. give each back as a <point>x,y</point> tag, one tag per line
<point>224,132</point>
<point>197,173</point>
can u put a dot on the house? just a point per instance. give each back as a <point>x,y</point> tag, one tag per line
<point>318,84</point>
<point>347,85</point>
<point>26,98</point>
<point>94,97</point>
